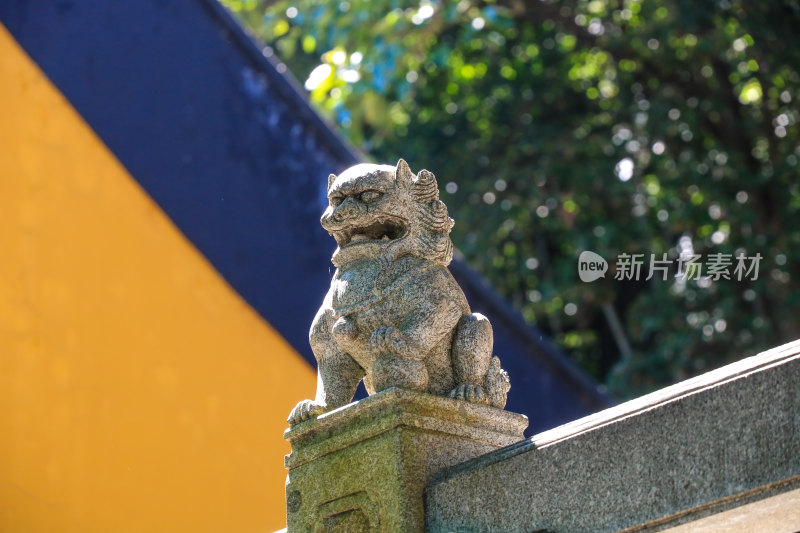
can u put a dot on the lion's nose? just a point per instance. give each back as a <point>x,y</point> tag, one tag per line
<point>346,210</point>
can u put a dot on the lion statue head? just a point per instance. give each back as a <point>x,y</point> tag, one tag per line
<point>384,212</point>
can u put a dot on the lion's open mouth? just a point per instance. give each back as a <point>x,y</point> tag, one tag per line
<point>383,230</point>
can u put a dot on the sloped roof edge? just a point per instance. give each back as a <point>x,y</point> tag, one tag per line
<point>285,82</point>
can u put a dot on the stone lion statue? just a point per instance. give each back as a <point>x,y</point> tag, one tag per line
<point>394,315</point>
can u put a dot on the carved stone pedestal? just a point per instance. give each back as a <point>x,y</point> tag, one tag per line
<point>363,467</point>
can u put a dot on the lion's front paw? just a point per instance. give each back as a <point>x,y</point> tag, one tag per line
<point>305,410</point>
<point>387,340</point>
<point>469,392</point>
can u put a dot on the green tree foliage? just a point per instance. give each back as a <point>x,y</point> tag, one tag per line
<point>618,126</point>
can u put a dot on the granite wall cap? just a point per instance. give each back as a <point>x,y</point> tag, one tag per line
<point>400,407</point>
<point>659,459</point>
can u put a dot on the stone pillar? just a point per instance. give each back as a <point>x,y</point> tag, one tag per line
<point>363,467</point>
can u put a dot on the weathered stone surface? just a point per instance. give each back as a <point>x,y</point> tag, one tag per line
<point>728,437</point>
<point>770,514</point>
<point>394,315</point>
<point>363,467</point>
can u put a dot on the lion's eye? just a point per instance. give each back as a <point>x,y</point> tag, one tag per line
<point>370,196</point>
<point>336,200</point>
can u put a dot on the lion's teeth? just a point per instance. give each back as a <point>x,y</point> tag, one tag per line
<point>358,237</point>
<point>385,238</point>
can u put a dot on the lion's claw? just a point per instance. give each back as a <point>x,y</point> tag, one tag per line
<point>388,340</point>
<point>469,392</point>
<point>305,410</point>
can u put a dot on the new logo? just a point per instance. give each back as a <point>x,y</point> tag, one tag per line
<point>591,266</point>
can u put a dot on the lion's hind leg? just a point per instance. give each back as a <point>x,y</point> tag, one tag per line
<point>471,356</point>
